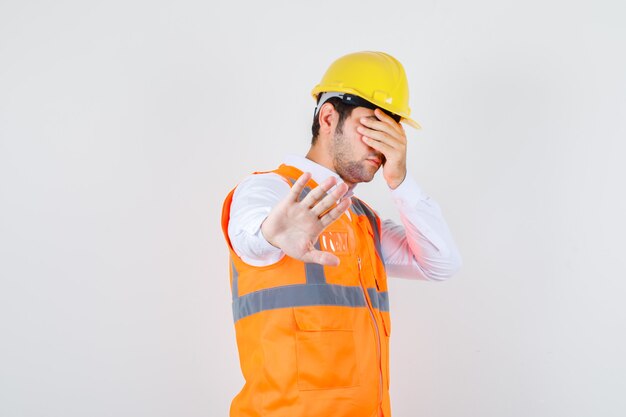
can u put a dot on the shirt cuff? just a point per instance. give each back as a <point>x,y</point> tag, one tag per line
<point>264,245</point>
<point>267,254</point>
<point>409,192</point>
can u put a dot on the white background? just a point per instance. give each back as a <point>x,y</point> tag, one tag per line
<point>123,125</point>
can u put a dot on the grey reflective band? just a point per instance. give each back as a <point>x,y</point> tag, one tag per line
<point>303,295</point>
<point>315,272</point>
<point>235,289</point>
<point>380,299</point>
<point>361,209</point>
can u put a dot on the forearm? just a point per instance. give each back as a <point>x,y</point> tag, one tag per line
<point>421,247</point>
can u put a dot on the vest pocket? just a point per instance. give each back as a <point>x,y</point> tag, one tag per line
<point>325,351</point>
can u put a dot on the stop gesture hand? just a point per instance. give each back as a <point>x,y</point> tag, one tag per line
<point>294,226</point>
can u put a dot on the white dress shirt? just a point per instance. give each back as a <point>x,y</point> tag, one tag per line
<point>419,248</point>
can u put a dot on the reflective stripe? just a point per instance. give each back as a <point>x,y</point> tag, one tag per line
<point>356,206</point>
<point>380,300</point>
<point>361,209</point>
<point>297,296</point>
<point>315,272</point>
<point>235,288</point>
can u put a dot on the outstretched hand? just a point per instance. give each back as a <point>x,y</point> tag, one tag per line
<point>294,226</point>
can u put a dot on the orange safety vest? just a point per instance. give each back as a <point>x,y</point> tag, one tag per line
<point>313,340</point>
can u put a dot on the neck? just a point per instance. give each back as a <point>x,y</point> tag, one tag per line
<point>323,157</point>
<point>320,156</point>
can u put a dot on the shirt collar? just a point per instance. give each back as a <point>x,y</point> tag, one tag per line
<point>318,172</point>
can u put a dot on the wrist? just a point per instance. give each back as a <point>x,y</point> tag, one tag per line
<point>393,184</point>
<point>266,233</point>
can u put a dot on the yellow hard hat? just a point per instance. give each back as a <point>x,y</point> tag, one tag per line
<point>374,76</point>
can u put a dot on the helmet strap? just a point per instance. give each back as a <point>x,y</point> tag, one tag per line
<point>352,100</point>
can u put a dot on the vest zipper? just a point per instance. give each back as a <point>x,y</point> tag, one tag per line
<point>369,308</point>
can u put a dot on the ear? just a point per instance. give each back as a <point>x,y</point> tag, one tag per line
<point>328,118</point>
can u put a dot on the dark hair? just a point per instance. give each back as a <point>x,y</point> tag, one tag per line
<point>344,110</point>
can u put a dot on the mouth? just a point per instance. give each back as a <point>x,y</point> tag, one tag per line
<point>375,161</point>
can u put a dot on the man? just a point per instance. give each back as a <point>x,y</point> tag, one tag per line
<point>309,259</point>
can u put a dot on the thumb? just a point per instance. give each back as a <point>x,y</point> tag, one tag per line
<point>321,257</point>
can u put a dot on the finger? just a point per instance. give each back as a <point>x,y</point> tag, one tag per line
<point>298,186</point>
<point>369,125</point>
<point>384,117</point>
<point>335,213</point>
<point>381,136</point>
<point>379,146</point>
<point>321,257</point>
<point>330,200</point>
<point>319,192</point>
<point>389,125</point>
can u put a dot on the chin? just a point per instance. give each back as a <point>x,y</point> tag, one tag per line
<point>369,178</point>
<point>357,172</point>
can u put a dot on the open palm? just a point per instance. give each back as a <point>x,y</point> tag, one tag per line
<point>294,226</point>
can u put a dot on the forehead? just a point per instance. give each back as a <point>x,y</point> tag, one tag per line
<point>362,112</point>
